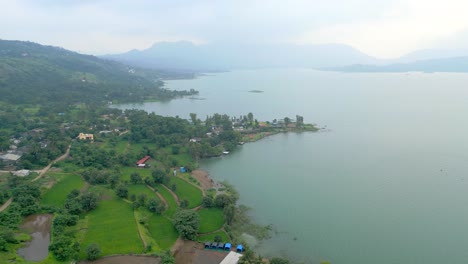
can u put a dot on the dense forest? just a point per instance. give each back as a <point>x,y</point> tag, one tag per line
<point>33,73</point>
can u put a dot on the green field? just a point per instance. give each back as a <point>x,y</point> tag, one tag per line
<point>112,226</point>
<point>57,195</point>
<point>211,237</point>
<point>140,188</point>
<point>211,219</point>
<point>170,211</point>
<point>162,230</point>
<point>186,191</point>
<point>125,172</point>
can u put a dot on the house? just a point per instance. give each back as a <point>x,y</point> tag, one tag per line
<point>141,163</point>
<point>83,136</point>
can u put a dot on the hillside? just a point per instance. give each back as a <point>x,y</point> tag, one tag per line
<point>456,64</point>
<point>186,56</point>
<point>33,73</point>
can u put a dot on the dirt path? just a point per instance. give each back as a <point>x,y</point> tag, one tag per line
<point>43,171</point>
<point>139,227</point>
<point>160,196</point>
<point>6,204</point>
<point>176,198</point>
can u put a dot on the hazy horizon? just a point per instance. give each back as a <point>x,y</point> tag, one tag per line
<point>379,28</point>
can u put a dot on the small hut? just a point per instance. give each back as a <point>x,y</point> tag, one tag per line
<point>240,248</point>
<point>227,246</point>
<point>220,245</point>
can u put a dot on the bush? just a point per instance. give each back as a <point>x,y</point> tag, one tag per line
<point>93,251</point>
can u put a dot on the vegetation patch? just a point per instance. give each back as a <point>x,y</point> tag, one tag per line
<point>211,219</point>
<point>127,171</point>
<point>211,237</point>
<point>186,191</point>
<point>162,230</point>
<point>112,226</point>
<point>172,204</point>
<point>57,195</point>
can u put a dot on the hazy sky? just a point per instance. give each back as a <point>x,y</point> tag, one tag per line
<point>381,28</point>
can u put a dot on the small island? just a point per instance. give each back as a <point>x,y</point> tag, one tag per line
<point>256,91</point>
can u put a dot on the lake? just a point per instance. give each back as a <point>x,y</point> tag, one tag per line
<point>386,183</point>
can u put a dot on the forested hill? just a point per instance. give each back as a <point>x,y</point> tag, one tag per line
<point>33,73</point>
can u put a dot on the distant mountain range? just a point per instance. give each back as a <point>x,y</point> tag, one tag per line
<point>185,55</point>
<point>455,64</point>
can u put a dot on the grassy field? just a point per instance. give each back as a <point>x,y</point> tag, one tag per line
<point>211,219</point>
<point>141,188</point>
<point>186,191</point>
<point>170,211</point>
<point>211,237</point>
<point>112,226</point>
<point>125,172</point>
<point>162,230</point>
<point>58,193</point>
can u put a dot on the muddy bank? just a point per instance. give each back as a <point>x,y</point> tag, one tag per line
<point>38,226</point>
<point>204,179</point>
<point>190,252</point>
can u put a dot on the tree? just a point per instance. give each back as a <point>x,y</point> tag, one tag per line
<point>63,248</point>
<point>142,199</point>
<point>186,222</point>
<point>229,212</point>
<point>207,201</point>
<point>89,201</point>
<point>250,117</point>
<point>167,258</point>
<point>73,194</point>
<point>299,121</point>
<point>184,203</point>
<point>122,191</point>
<point>154,205</point>
<point>135,178</point>
<point>287,121</point>
<point>159,176</point>
<point>193,117</point>
<point>93,251</point>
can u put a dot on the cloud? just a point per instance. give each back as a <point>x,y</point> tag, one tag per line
<point>407,26</point>
<point>382,28</point>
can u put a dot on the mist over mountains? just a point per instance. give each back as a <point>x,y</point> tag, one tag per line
<point>186,56</point>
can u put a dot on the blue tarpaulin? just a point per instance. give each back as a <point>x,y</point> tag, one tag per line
<point>239,248</point>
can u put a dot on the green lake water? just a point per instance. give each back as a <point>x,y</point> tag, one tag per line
<point>386,182</point>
